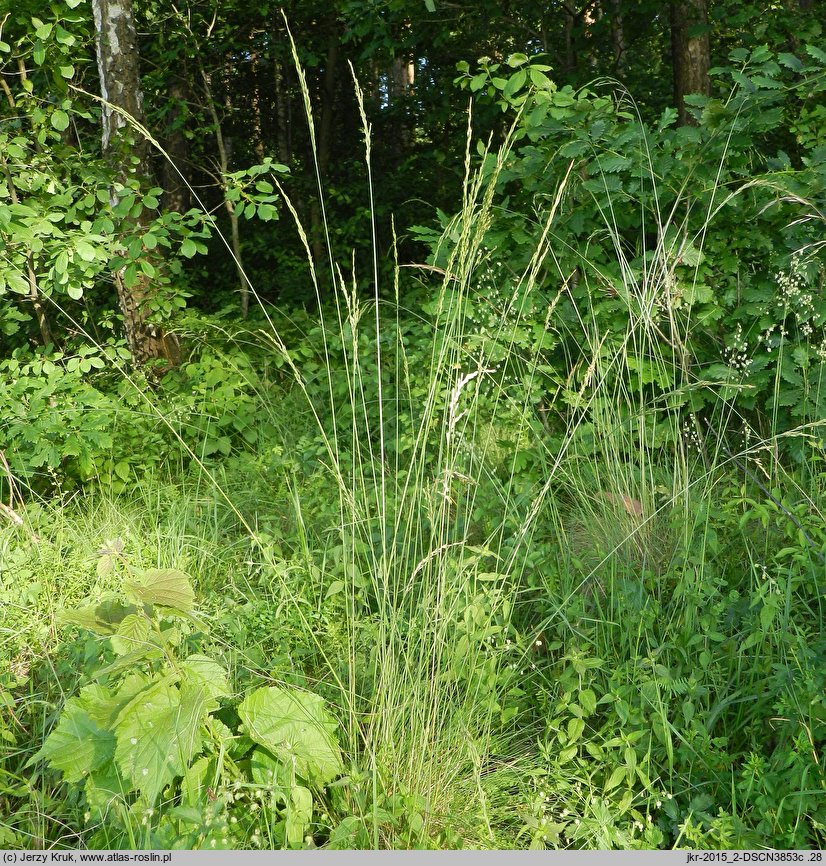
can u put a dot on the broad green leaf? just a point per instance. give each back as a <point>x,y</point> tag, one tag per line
<point>196,781</point>
<point>77,746</point>
<point>158,734</point>
<point>132,635</point>
<point>86,251</point>
<point>167,587</point>
<point>201,670</point>
<point>575,729</point>
<point>350,834</point>
<point>105,786</point>
<point>515,83</point>
<point>17,283</point>
<point>299,815</point>
<point>103,706</point>
<point>294,726</point>
<point>59,120</point>
<point>102,618</point>
<point>588,701</point>
<point>264,768</point>
<point>188,248</point>
<point>517,59</point>
<point>615,778</point>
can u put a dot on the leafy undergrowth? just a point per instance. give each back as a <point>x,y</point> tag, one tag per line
<point>168,684</point>
<point>532,559</point>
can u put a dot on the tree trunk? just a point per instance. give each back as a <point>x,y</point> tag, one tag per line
<point>224,156</point>
<point>570,52</point>
<point>176,169</point>
<point>257,120</point>
<point>690,53</point>
<point>617,36</point>
<point>117,56</point>
<point>282,114</point>
<point>329,86</point>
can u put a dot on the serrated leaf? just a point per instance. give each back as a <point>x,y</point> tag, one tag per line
<point>166,587</point>
<point>77,746</point>
<point>103,706</point>
<point>294,726</point>
<point>102,618</point>
<point>158,734</point>
<point>299,815</point>
<point>201,670</point>
<point>132,635</point>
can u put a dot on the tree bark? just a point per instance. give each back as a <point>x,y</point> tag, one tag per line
<point>117,56</point>
<point>690,53</point>
<point>257,120</point>
<point>282,114</point>
<point>224,156</point>
<point>617,36</point>
<point>175,169</point>
<point>570,52</point>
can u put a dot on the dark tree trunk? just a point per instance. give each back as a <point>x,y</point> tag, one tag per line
<point>175,171</point>
<point>690,52</point>
<point>329,88</point>
<point>282,114</point>
<point>570,51</point>
<point>117,56</point>
<point>617,36</point>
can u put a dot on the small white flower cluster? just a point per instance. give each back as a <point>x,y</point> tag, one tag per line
<point>691,435</point>
<point>497,302</point>
<point>796,295</point>
<point>736,355</point>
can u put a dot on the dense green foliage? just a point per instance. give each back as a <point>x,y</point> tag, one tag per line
<point>499,521</point>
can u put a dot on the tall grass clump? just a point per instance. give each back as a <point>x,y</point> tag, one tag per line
<point>499,524</point>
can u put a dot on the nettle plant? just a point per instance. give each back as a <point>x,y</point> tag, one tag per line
<point>159,743</point>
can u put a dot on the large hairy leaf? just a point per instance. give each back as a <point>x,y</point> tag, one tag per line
<point>296,727</point>
<point>166,587</point>
<point>158,734</point>
<point>201,670</point>
<point>77,746</point>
